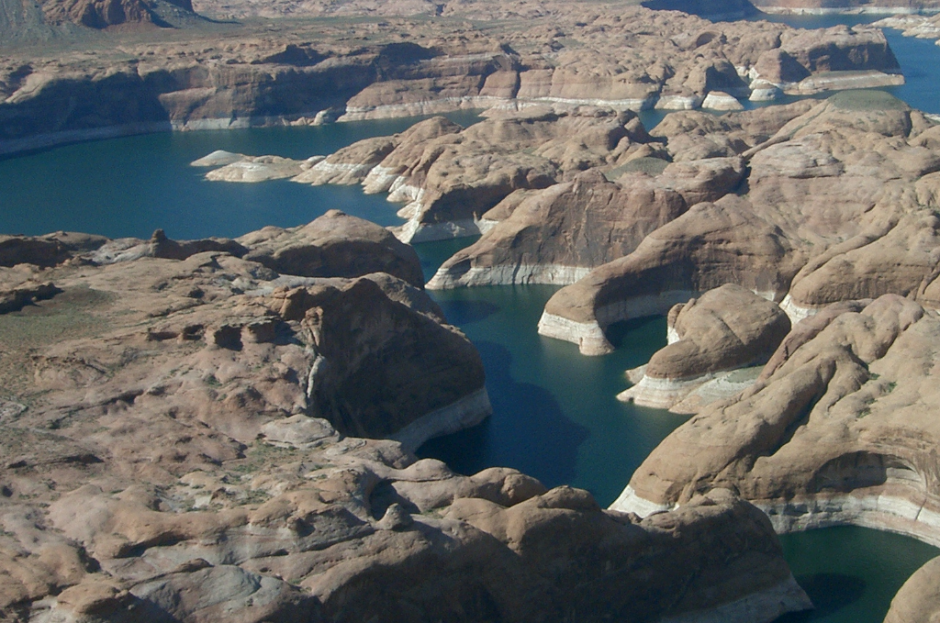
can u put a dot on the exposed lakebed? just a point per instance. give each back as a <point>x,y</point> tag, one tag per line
<point>555,417</point>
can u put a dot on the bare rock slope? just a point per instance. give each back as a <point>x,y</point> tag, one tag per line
<point>221,429</point>
<point>839,205</point>
<point>918,600</point>
<point>837,429</point>
<point>728,328</point>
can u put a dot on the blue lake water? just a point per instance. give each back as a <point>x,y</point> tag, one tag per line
<point>555,415</point>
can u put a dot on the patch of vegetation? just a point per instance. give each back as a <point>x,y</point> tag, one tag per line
<point>867,100</point>
<point>650,166</point>
<point>261,455</point>
<point>68,315</point>
<point>256,496</point>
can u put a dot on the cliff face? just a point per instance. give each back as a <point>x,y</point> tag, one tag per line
<point>814,227</point>
<point>100,14</point>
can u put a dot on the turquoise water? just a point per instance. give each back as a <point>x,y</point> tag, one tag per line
<point>134,185</point>
<point>850,573</point>
<point>555,415</point>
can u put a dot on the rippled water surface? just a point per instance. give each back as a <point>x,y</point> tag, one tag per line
<point>555,415</point>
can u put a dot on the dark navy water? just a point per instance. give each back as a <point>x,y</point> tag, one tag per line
<point>555,415</point>
<point>556,412</point>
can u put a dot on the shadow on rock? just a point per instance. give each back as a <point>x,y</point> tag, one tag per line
<point>528,430</point>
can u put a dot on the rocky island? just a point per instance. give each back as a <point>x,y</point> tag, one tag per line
<point>226,427</point>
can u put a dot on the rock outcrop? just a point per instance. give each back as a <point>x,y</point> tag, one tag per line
<point>620,57</point>
<point>601,221</point>
<point>553,236</point>
<point>207,435</point>
<point>726,329</point>
<point>100,14</point>
<point>838,429</point>
<point>334,245</point>
<point>918,600</point>
<point>919,26</point>
<point>838,205</point>
<point>451,177</point>
<point>65,20</point>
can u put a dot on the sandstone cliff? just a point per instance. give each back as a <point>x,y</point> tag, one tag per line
<point>728,328</point>
<point>838,205</point>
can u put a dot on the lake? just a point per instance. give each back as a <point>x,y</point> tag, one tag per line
<point>555,415</point>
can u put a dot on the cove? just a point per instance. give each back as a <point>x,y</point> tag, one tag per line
<point>555,416</point>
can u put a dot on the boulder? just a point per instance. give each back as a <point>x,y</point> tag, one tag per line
<point>333,245</point>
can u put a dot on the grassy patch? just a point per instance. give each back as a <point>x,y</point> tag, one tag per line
<point>650,166</point>
<point>67,316</point>
<point>261,455</point>
<point>866,100</point>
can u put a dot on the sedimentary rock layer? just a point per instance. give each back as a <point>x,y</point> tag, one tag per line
<point>727,328</point>
<point>839,205</point>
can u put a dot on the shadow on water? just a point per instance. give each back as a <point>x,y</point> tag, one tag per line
<point>829,592</point>
<point>464,312</point>
<point>642,336</point>
<point>538,439</point>
<point>433,254</point>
